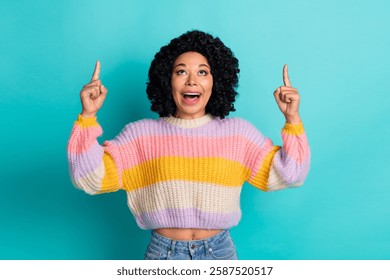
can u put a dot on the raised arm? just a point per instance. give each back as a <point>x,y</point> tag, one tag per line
<point>286,166</point>
<point>92,169</point>
<point>290,164</point>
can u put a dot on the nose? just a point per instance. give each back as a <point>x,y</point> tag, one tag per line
<point>191,80</point>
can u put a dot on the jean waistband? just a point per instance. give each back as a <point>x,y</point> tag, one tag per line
<point>186,245</point>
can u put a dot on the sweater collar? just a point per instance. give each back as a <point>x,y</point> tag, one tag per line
<point>189,123</point>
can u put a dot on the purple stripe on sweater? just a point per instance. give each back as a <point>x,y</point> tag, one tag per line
<point>85,163</point>
<point>187,218</point>
<point>291,171</point>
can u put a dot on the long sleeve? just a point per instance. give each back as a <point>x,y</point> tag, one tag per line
<point>181,173</point>
<point>91,167</point>
<point>285,166</point>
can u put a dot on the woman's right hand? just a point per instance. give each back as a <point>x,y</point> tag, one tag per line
<point>93,94</point>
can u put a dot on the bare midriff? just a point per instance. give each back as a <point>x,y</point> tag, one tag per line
<point>186,234</point>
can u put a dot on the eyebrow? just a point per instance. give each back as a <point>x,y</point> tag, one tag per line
<point>184,65</point>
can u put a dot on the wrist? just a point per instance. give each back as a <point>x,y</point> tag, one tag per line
<point>293,119</point>
<point>87,115</point>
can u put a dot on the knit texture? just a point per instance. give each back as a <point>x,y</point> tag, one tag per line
<point>186,173</point>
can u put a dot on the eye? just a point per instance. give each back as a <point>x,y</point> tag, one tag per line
<point>180,72</point>
<point>203,72</point>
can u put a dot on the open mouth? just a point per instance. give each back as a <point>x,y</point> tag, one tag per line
<point>191,95</point>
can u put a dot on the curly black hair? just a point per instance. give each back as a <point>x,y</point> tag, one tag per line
<point>223,64</point>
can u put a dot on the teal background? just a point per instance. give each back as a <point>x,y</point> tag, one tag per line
<point>338,56</point>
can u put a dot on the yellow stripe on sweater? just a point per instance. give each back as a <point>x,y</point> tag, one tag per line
<point>86,122</point>
<point>211,170</point>
<point>110,182</point>
<point>260,180</point>
<point>293,129</point>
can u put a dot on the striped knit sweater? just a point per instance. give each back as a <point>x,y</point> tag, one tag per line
<point>181,173</point>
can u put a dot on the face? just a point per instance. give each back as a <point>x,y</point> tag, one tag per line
<point>192,85</point>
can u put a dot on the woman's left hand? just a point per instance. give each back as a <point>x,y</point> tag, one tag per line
<point>287,99</point>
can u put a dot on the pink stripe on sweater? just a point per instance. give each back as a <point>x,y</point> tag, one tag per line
<point>89,135</point>
<point>296,147</point>
<point>236,148</point>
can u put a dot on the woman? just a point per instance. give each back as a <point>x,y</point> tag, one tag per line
<point>183,172</point>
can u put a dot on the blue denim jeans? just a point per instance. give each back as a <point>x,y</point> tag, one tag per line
<point>217,247</point>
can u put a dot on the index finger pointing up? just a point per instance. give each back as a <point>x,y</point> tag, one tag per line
<point>96,72</point>
<point>286,79</point>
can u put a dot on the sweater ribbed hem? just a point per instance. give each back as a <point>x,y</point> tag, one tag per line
<point>294,129</point>
<point>86,122</point>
